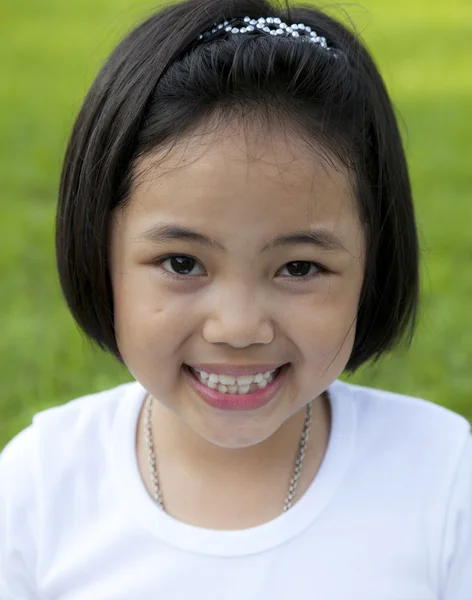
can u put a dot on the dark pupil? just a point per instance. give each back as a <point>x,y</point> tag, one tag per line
<point>300,268</point>
<point>181,264</point>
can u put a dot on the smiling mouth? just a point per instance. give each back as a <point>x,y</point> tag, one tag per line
<point>241,385</point>
<point>245,396</point>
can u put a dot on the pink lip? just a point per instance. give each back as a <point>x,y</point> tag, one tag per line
<point>235,401</point>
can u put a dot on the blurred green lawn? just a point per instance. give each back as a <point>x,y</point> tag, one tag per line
<point>50,52</point>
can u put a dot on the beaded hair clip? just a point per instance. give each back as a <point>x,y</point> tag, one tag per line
<point>270,25</point>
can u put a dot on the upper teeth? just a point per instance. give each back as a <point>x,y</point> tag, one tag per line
<point>239,380</point>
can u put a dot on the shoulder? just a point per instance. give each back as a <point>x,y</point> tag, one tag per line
<point>78,416</point>
<point>49,445</point>
<point>48,466</point>
<point>409,415</point>
<point>419,453</point>
<point>418,433</point>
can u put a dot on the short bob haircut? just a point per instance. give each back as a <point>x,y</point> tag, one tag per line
<point>161,84</point>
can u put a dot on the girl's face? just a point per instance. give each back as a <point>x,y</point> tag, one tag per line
<point>242,299</point>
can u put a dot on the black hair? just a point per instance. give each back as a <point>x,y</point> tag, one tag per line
<point>161,82</point>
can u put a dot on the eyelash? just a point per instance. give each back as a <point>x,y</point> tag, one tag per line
<point>159,262</point>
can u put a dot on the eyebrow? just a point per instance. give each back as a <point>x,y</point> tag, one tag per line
<point>322,238</point>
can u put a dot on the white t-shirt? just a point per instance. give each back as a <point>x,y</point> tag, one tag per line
<point>387,517</point>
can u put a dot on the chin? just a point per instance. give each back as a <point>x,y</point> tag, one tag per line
<point>234,437</point>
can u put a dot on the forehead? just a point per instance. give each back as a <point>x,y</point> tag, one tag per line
<point>240,176</point>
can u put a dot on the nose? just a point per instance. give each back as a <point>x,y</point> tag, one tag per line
<point>236,319</point>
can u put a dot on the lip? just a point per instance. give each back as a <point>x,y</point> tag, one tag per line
<point>234,370</point>
<point>237,402</point>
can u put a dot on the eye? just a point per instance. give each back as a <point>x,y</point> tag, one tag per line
<point>301,269</point>
<point>178,265</point>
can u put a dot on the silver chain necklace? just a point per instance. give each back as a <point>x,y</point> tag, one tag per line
<point>296,470</point>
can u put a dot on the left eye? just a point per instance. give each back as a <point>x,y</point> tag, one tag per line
<point>301,268</point>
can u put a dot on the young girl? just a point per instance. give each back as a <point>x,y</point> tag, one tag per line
<point>235,225</point>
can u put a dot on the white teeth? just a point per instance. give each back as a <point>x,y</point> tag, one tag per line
<point>244,389</point>
<point>245,379</point>
<point>227,379</point>
<point>235,385</point>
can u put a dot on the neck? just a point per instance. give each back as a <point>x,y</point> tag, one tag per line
<point>174,438</point>
<point>220,488</point>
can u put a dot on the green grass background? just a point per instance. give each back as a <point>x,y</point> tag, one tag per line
<point>50,51</point>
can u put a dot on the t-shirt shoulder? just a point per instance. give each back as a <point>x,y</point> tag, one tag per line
<point>55,434</point>
<point>418,447</point>
<point>408,414</point>
<point>420,432</point>
<point>49,464</point>
<point>79,409</point>
<point>409,406</point>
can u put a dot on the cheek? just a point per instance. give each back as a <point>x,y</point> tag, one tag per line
<point>332,306</point>
<point>152,325</point>
<point>325,324</point>
<point>145,318</point>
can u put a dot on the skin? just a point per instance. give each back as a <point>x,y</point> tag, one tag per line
<point>239,306</point>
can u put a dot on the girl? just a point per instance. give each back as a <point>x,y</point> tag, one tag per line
<point>235,225</point>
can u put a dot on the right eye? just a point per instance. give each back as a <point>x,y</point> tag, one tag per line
<point>178,265</point>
